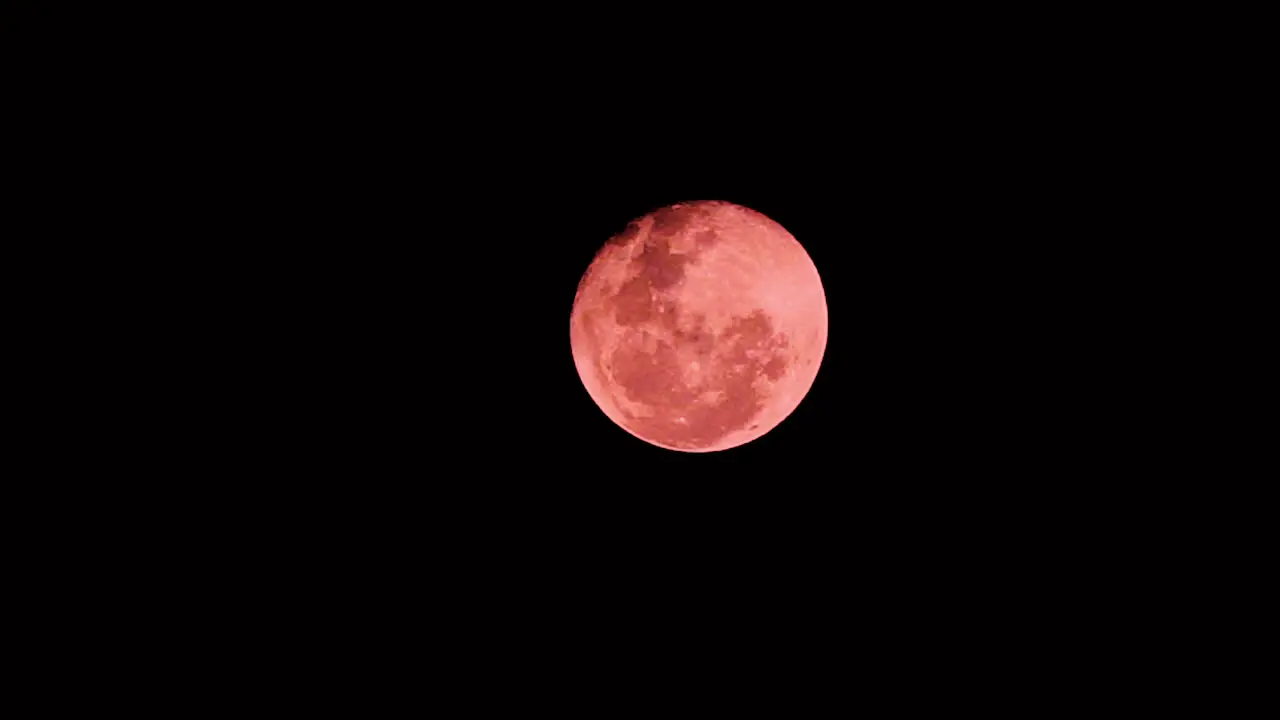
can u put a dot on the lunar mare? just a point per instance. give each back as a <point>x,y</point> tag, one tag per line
<point>700,327</point>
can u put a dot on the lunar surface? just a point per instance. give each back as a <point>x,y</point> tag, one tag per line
<point>700,327</point>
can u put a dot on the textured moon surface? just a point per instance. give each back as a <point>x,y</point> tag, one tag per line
<point>700,327</point>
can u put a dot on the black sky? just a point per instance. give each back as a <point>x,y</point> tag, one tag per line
<point>404,226</point>
<point>326,406</point>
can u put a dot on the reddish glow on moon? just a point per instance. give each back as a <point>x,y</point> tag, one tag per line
<point>700,327</point>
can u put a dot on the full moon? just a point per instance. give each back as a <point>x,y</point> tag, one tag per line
<point>700,327</point>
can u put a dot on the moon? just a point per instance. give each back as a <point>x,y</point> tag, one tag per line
<point>700,327</point>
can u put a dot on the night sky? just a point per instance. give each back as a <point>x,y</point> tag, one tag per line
<point>393,251</point>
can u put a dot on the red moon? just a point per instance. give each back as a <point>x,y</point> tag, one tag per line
<point>700,327</point>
